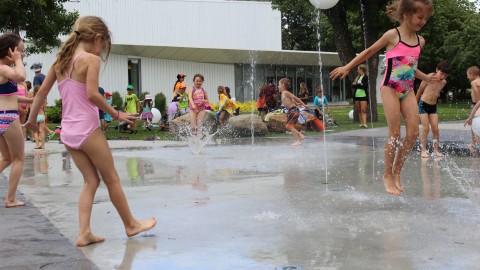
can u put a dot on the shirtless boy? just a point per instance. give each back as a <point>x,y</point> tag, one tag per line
<point>291,102</point>
<point>427,97</point>
<point>473,75</point>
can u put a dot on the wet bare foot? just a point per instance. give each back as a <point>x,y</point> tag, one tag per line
<point>390,186</point>
<point>439,155</point>
<point>88,239</point>
<point>398,185</point>
<point>141,226</point>
<point>14,204</point>
<point>296,143</point>
<point>425,155</point>
<point>301,136</point>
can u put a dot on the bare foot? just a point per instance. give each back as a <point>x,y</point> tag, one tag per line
<point>438,154</point>
<point>301,136</point>
<point>390,186</point>
<point>296,143</point>
<point>425,155</point>
<point>141,226</point>
<point>88,239</point>
<point>398,185</point>
<point>14,204</point>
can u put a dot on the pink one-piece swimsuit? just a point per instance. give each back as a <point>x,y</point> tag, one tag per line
<point>79,114</point>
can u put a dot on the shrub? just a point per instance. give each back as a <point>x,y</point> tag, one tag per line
<point>142,96</point>
<point>54,113</point>
<point>245,107</point>
<point>117,101</point>
<point>161,103</point>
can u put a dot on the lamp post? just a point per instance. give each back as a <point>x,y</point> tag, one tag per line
<point>323,4</point>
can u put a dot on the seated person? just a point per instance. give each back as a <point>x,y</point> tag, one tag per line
<point>320,102</point>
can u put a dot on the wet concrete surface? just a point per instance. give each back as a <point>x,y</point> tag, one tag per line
<point>266,205</point>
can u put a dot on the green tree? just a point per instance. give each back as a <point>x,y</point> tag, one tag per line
<point>39,21</point>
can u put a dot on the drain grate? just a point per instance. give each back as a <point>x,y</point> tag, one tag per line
<point>289,267</point>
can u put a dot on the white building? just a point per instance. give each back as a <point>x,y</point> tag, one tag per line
<point>232,43</point>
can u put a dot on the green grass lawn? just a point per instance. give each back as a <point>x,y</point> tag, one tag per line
<point>446,112</point>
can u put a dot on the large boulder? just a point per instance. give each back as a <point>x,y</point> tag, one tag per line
<point>277,122</point>
<point>241,126</point>
<point>237,126</point>
<point>180,126</point>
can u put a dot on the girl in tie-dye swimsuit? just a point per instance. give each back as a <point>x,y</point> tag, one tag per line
<point>402,63</point>
<point>403,50</point>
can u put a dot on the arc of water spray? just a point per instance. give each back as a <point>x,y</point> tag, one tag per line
<point>364,26</point>
<point>320,64</point>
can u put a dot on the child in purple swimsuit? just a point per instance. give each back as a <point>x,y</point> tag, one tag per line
<point>403,46</point>
<point>77,70</point>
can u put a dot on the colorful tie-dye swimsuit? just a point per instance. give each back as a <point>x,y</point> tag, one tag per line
<point>402,61</point>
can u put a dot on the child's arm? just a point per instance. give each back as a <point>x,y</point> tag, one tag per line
<point>39,99</point>
<point>420,90</point>
<point>18,73</point>
<point>342,72</point>
<point>472,114</point>
<point>93,69</point>
<point>190,100</point>
<point>205,96</point>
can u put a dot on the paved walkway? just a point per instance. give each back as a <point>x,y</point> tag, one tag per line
<point>29,240</point>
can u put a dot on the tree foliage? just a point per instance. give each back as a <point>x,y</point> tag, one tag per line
<point>452,33</point>
<point>39,21</point>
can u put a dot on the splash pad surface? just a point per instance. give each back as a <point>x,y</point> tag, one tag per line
<point>271,205</point>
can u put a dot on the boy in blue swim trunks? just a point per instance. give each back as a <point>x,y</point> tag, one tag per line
<point>427,97</point>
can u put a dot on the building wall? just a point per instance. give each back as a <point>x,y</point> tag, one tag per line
<point>187,23</point>
<point>157,75</point>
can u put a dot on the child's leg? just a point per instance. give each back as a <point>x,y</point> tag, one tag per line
<point>87,195</point>
<point>392,115</point>
<point>193,121</point>
<point>223,115</point>
<point>424,135</point>
<point>200,119</point>
<point>5,152</point>
<point>36,136</point>
<point>41,133</point>
<point>409,109</point>
<point>12,146</point>
<point>435,134</point>
<point>363,112</point>
<point>100,156</point>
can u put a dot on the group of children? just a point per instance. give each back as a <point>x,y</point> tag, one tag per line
<point>76,70</point>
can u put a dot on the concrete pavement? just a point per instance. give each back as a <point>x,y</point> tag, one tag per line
<point>265,205</point>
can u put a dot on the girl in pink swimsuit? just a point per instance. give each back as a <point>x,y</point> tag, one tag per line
<point>22,107</point>
<point>11,139</point>
<point>76,70</point>
<point>197,98</point>
<point>403,49</point>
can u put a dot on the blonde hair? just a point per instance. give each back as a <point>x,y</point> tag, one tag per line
<point>474,70</point>
<point>85,29</point>
<point>220,89</point>
<point>398,8</point>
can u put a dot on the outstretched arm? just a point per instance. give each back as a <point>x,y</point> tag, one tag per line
<point>342,72</point>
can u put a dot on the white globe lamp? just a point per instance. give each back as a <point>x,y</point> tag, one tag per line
<point>156,115</point>
<point>323,4</point>
<point>350,114</point>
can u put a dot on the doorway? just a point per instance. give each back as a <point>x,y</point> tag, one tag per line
<point>134,75</point>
